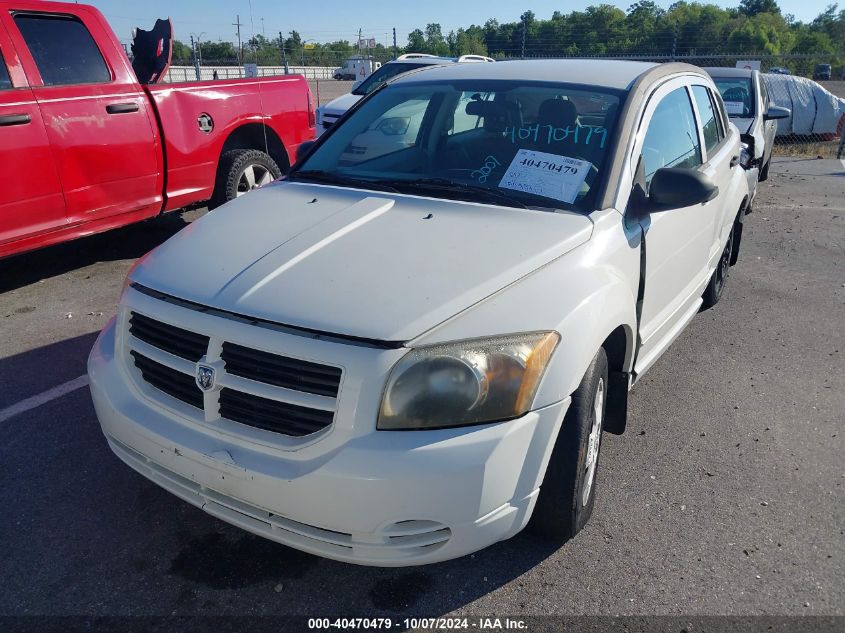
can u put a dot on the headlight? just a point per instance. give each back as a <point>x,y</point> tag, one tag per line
<point>745,156</point>
<point>466,382</point>
<point>394,126</point>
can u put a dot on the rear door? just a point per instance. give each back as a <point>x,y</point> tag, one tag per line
<point>96,115</point>
<point>721,157</point>
<point>31,199</point>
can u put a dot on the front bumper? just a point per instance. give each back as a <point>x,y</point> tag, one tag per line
<point>380,498</point>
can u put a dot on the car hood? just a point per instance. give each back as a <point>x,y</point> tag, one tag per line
<point>341,104</point>
<point>365,264</point>
<point>743,124</point>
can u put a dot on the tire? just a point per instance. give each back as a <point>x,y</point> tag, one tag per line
<point>568,492</point>
<point>240,171</point>
<point>719,278</point>
<point>764,173</point>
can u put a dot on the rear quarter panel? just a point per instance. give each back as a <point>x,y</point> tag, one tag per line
<point>192,155</point>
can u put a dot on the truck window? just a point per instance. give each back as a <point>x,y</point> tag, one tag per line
<point>672,138</point>
<point>5,80</point>
<point>712,134</point>
<point>63,49</point>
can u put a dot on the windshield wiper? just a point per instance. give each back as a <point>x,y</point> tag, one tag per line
<point>450,186</point>
<point>331,178</point>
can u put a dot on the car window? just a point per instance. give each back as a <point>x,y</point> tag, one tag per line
<point>63,49</point>
<point>737,94</point>
<point>672,136</point>
<point>708,117</point>
<point>764,94</point>
<point>5,80</point>
<point>463,122</point>
<point>388,71</point>
<point>721,117</point>
<point>512,142</point>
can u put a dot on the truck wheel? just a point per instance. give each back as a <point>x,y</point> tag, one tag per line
<point>568,490</point>
<point>714,289</point>
<point>241,171</point>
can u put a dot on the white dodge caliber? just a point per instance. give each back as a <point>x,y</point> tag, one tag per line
<point>401,356</point>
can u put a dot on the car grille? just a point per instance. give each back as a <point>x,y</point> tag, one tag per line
<point>272,415</point>
<point>172,339</point>
<point>252,387</point>
<point>284,372</point>
<point>170,381</point>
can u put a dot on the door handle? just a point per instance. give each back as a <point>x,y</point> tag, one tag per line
<point>122,108</point>
<point>734,161</point>
<point>15,119</point>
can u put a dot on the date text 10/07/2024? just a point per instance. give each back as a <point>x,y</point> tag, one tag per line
<point>429,624</point>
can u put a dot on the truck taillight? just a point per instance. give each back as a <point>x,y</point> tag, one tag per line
<point>312,119</point>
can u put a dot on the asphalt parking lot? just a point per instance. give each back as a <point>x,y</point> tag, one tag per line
<point>725,497</point>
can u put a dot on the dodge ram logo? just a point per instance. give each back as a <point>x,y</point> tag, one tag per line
<point>205,377</point>
<point>205,122</point>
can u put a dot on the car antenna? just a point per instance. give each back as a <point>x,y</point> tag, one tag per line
<point>258,82</point>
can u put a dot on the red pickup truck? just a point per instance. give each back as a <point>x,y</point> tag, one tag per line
<point>84,147</point>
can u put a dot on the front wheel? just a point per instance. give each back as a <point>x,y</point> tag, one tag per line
<point>568,491</point>
<point>241,171</point>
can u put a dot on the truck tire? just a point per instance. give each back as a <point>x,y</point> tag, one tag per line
<point>719,278</point>
<point>240,171</point>
<point>567,494</point>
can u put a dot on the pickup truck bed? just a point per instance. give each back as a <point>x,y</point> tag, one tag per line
<point>85,148</point>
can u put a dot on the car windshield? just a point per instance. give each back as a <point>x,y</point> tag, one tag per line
<point>513,143</point>
<point>737,94</point>
<point>388,71</point>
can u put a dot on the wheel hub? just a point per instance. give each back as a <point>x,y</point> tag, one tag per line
<point>253,177</point>
<point>593,442</point>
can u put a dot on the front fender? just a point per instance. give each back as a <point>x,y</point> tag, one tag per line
<point>584,295</point>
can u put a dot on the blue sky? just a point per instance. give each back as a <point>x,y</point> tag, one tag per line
<point>328,20</point>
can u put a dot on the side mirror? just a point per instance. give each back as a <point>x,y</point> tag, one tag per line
<point>776,112</point>
<point>303,149</point>
<point>356,84</point>
<point>678,187</point>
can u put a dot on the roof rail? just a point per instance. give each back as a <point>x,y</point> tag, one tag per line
<point>413,56</point>
<point>475,58</point>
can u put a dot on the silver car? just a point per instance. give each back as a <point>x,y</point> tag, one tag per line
<point>749,107</point>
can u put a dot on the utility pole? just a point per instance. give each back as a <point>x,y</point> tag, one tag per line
<point>284,55</point>
<point>196,58</point>
<point>395,48</point>
<point>238,24</point>
<point>524,29</point>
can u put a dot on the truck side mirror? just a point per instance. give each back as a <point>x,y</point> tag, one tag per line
<point>776,112</point>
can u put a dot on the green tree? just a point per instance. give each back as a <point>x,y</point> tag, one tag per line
<point>218,51</point>
<point>416,42</point>
<point>753,7</point>
<point>181,53</point>
<point>435,43</point>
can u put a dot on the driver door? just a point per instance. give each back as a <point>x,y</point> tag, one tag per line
<point>677,241</point>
